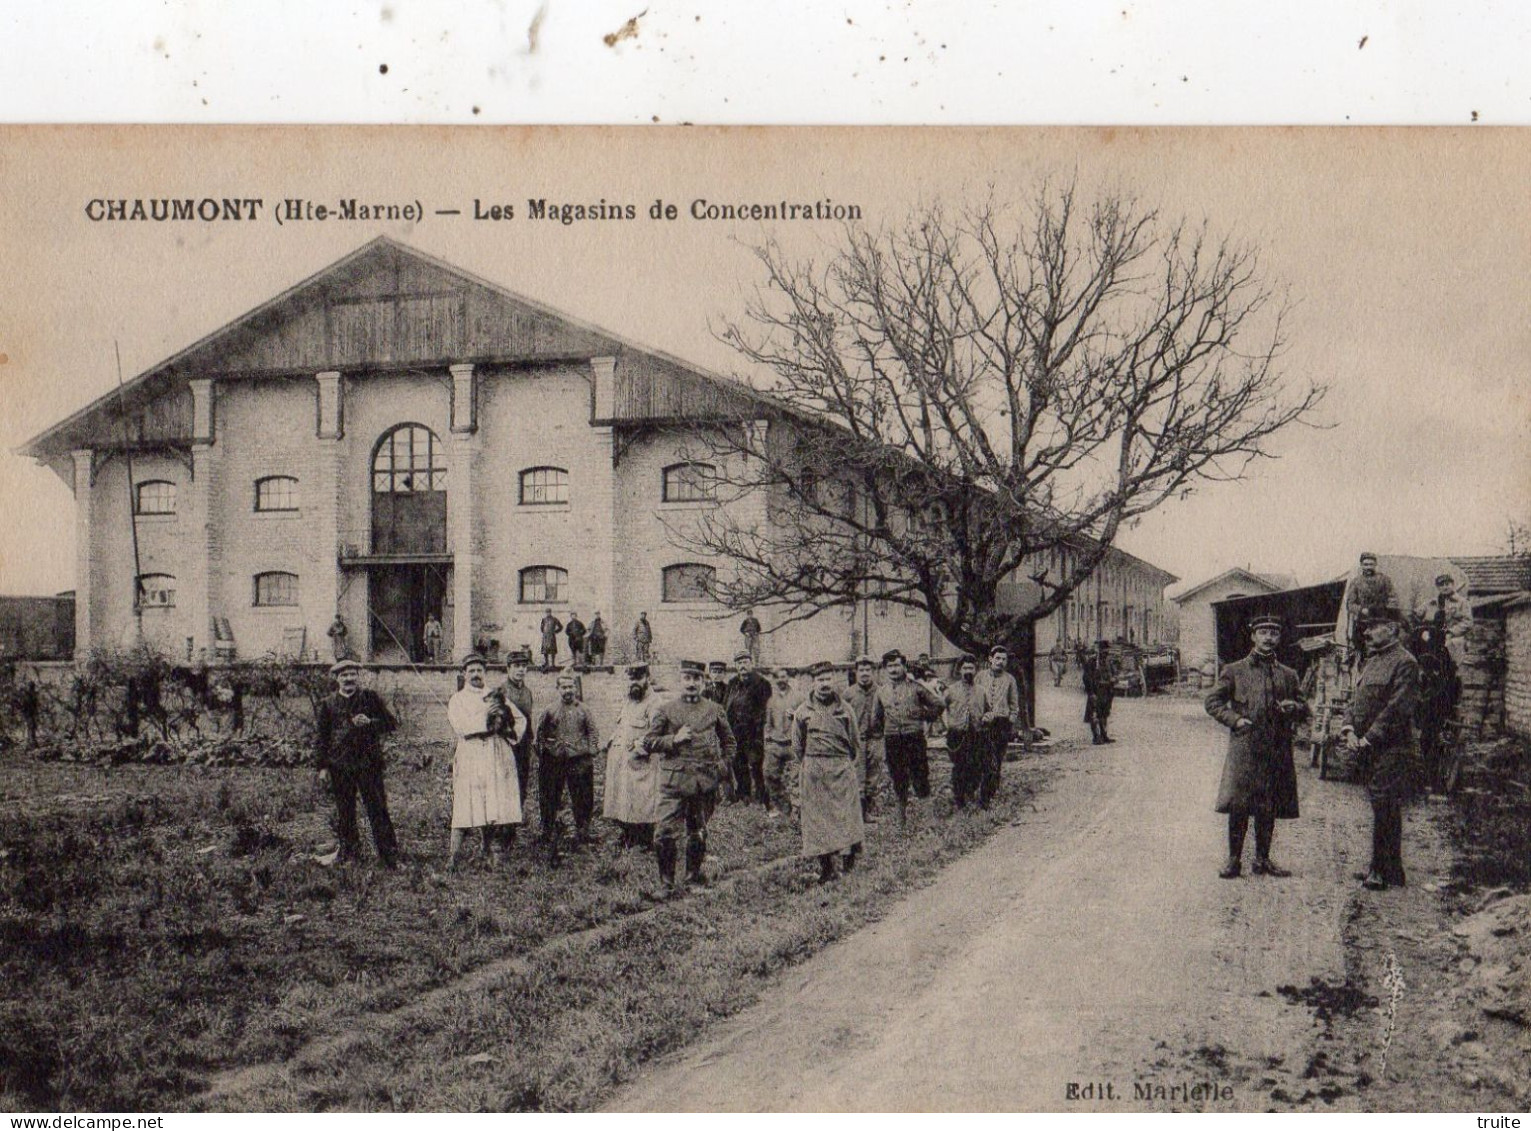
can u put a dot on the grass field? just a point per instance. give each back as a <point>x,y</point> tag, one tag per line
<point>168,942</point>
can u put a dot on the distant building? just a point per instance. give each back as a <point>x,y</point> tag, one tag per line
<point>1122,600</point>
<point>1198,621</point>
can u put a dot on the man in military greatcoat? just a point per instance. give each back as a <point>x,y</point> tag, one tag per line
<point>1099,691</point>
<point>861,697</point>
<point>1379,726</point>
<point>1258,700</point>
<point>695,746</point>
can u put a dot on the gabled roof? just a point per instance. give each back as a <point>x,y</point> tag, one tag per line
<point>1502,574</point>
<point>338,318</point>
<point>1265,584</point>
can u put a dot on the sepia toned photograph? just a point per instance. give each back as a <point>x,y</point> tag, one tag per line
<point>743,619</point>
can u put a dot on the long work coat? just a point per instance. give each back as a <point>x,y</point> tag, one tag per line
<point>632,773</point>
<point>1258,773</point>
<point>484,785</point>
<point>1382,712</point>
<point>827,742</point>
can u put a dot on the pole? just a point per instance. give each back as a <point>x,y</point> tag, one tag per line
<point>127,451</point>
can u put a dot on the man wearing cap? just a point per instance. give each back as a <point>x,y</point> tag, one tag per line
<point>900,710</point>
<point>566,746</point>
<point>749,628</point>
<point>595,642</point>
<point>999,710</point>
<point>643,639</point>
<point>485,793</point>
<point>695,746</point>
<point>517,663</point>
<point>1379,726</point>
<point>1369,589</point>
<point>716,687</point>
<point>778,748</point>
<point>860,698</point>
<point>574,632</point>
<point>1099,691</point>
<point>744,701</point>
<point>964,731</point>
<point>1449,615</point>
<point>549,629</point>
<point>824,744</point>
<point>1439,643</point>
<point>348,741</point>
<point>632,775</point>
<point>1258,700</point>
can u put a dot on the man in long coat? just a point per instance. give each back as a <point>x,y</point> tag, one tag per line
<point>485,794</point>
<point>695,746</point>
<point>549,629</point>
<point>744,701</point>
<point>826,744</point>
<point>515,692</point>
<point>632,775</point>
<point>1258,700</point>
<point>1379,726</point>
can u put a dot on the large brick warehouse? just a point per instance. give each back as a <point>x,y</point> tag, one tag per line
<point>393,438</point>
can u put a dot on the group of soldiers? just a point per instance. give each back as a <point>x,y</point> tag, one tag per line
<point>1259,701</point>
<point>672,759</point>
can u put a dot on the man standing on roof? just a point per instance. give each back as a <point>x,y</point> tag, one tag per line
<point>550,627</point>
<point>750,630</point>
<point>1369,589</point>
<point>574,633</point>
<point>1257,699</point>
<point>643,639</point>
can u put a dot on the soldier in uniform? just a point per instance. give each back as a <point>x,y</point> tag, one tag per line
<point>1369,589</point>
<point>825,744</point>
<point>1098,691</point>
<point>1257,699</point>
<point>695,746</point>
<point>745,698</point>
<point>349,742</point>
<point>778,749</point>
<point>566,746</point>
<point>1379,726</point>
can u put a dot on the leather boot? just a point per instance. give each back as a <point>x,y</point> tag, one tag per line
<point>696,852</point>
<point>667,854</point>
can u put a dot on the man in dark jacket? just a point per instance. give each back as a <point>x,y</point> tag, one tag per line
<point>1098,691</point>
<point>744,701</point>
<point>900,709</point>
<point>517,663</point>
<point>574,632</point>
<point>1257,699</point>
<point>349,750</point>
<point>1379,726</point>
<point>566,746</point>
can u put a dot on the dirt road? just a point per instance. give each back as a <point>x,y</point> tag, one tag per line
<point>1092,943</point>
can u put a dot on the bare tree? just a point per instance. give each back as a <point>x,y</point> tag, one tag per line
<point>967,391</point>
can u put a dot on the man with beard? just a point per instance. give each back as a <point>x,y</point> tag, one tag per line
<point>349,740</point>
<point>516,693</point>
<point>744,701</point>
<point>485,794</point>
<point>1379,726</point>
<point>860,697</point>
<point>695,746</point>
<point>824,744</point>
<point>566,746</point>
<point>1258,700</point>
<point>632,774</point>
<point>900,710</point>
<point>999,710</point>
<point>963,730</point>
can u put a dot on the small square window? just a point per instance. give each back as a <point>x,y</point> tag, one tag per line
<point>276,589</point>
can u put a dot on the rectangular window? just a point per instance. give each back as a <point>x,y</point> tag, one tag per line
<point>157,496</point>
<point>543,485</point>
<point>156,591</point>
<point>544,585</point>
<point>691,582</point>
<point>276,493</point>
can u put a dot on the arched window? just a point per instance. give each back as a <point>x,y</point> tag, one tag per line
<point>542,485</point>
<point>689,581</point>
<point>156,591</point>
<point>276,588</point>
<point>690,483</point>
<point>276,493</point>
<point>409,500</point>
<point>544,585</point>
<point>155,496</point>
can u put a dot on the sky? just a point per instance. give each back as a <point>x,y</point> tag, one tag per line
<point>1404,253</point>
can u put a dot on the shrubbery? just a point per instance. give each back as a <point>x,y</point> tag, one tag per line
<point>137,706</point>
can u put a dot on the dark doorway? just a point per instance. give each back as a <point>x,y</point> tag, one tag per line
<point>401,598</point>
